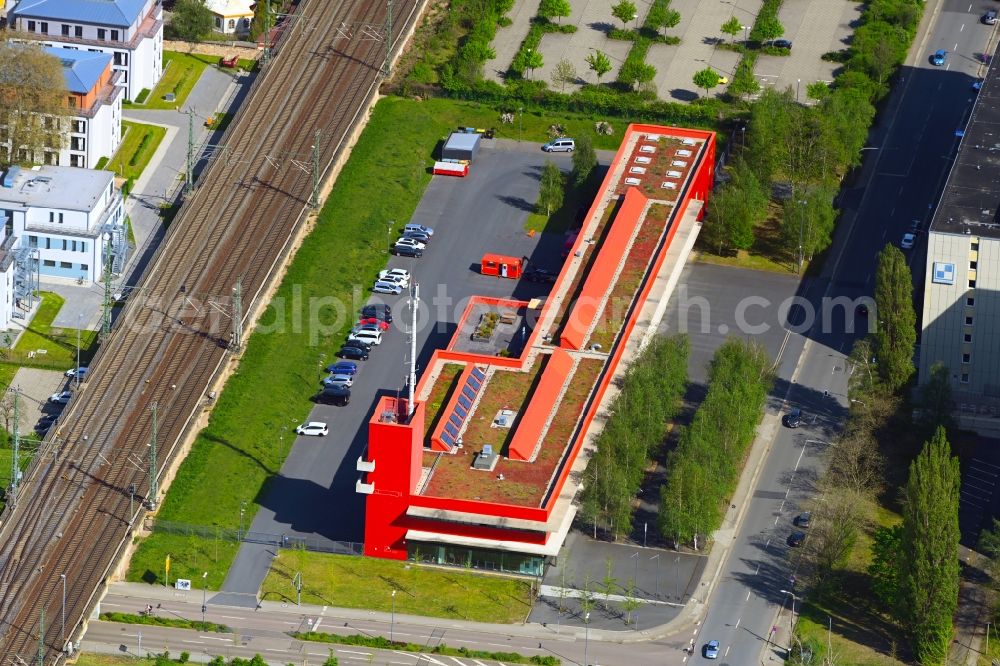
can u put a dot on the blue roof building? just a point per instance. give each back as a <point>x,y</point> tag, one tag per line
<point>81,69</point>
<point>131,31</point>
<point>121,13</point>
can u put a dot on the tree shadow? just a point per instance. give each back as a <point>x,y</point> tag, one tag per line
<point>684,95</point>
<point>517,202</point>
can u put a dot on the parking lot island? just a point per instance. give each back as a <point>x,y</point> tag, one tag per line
<point>477,472</point>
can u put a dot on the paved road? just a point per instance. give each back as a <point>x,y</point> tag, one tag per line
<point>500,189</point>
<point>916,144</point>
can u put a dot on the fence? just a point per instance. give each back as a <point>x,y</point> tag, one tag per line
<point>310,543</point>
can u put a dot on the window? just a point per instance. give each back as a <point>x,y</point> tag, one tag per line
<point>73,246</point>
<point>31,26</point>
<point>65,243</point>
<point>972,284</point>
<point>48,245</point>
<point>52,217</point>
<point>218,23</point>
<point>118,58</point>
<point>967,337</point>
<point>973,264</point>
<point>971,301</point>
<point>965,378</point>
<point>32,241</point>
<point>975,246</point>
<point>84,267</point>
<point>76,161</point>
<point>65,264</point>
<point>968,320</point>
<point>967,358</point>
<point>65,30</point>
<point>71,101</point>
<point>78,31</point>
<point>80,126</point>
<point>48,263</point>
<point>44,27</point>
<point>232,24</point>
<point>114,35</point>
<point>101,32</point>
<point>83,247</point>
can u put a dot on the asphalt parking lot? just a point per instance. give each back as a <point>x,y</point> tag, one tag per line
<point>484,212</point>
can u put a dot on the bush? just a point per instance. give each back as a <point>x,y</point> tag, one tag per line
<point>623,34</point>
<point>178,622</point>
<point>383,643</point>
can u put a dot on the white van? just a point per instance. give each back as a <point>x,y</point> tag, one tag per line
<point>561,145</point>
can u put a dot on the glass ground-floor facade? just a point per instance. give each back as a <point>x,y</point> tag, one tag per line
<point>476,558</point>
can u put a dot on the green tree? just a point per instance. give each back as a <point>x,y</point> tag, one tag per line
<point>584,160</point>
<point>550,194</point>
<point>772,117</point>
<point>32,87</point>
<point>818,90</point>
<point>706,79</point>
<point>884,568</point>
<point>808,221</point>
<point>533,60</point>
<point>662,16</point>
<point>735,209</point>
<point>192,20</point>
<point>257,23</point>
<point>625,11</point>
<point>929,550</point>
<point>895,330</point>
<point>630,601</point>
<point>936,404</point>
<point>766,28</point>
<point>732,27</point>
<point>554,9</point>
<point>636,73</point>
<point>563,74</point>
<point>600,63</point>
<point>989,545</point>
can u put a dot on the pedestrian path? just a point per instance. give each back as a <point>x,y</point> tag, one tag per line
<point>508,39</point>
<point>572,593</point>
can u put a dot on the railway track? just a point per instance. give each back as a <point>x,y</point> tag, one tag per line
<point>72,516</point>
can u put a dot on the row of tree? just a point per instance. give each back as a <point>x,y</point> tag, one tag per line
<point>914,570</point>
<point>650,398</point>
<point>702,472</point>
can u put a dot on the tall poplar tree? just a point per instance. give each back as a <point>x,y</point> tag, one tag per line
<point>929,571</point>
<point>896,330</point>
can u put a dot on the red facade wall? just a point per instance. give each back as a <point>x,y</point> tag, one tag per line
<point>386,522</point>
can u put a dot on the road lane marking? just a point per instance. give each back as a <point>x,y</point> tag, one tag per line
<point>315,627</point>
<point>738,620</point>
<point>803,450</point>
<point>234,617</point>
<point>727,650</point>
<point>213,638</point>
<point>754,573</point>
<point>195,642</point>
<point>747,599</point>
<point>776,519</point>
<point>360,654</point>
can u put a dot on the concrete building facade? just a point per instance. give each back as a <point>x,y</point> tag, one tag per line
<point>960,324</point>
<point>131,31</point>
<point>95,127</point>
<point>231,17</point>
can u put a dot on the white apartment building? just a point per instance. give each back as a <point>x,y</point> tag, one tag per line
<point>71,220</point>
<point>130,30</point>
<point>94,129</point>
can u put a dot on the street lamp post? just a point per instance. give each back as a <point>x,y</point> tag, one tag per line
<point>204,595</point>
<point>392,622</point>
<point>791,619</point>
<point>657,558</point>
<point>79,322</point>
<point>586,638</point>
<point>798,82</point>
<point>63,576</point>
<point>746,35</point>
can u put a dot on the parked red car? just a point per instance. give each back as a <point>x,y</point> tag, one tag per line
<point>382,325</point>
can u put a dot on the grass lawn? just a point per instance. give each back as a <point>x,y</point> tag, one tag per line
<point>362,582</point>
<point>181,72</point>
<point>136,149</point>
<point>94,659</point>
<point>565,218</point>
<point>250,430</point>
<point>861,636</point>
<point>58,343</point>
<point>769,253</point>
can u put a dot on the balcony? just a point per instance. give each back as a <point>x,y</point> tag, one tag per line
<point>365,465</point>
<point>364,488</point>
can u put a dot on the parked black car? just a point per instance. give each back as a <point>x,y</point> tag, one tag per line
<point>792,419</point>
<point>334,395</point>
<point>540,275</point>
<point>796,538</point>
<point>353,352</point>
<point>803,519</point>
<point>377,310</point>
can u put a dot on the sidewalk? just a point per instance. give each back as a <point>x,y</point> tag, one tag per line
<point>508,40</point>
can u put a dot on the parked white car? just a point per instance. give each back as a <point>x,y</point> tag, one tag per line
<point>411,243</point>
<point>908,241</point>
<point>60,398</point>
<point>395,278</point>
<point>394,273</point>
<point>418,228</point>
<point>313,429</point>
<point>370,337</point>
<point>339,380</point>
<point>384,287</point>
<point>76,372</point>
